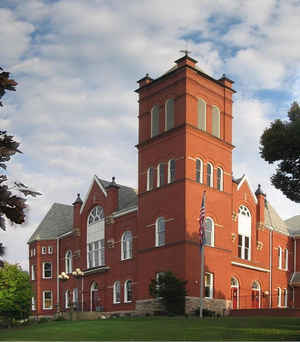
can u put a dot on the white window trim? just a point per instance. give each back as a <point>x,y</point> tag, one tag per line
<point>201,170</point>
<point>47,262</point>
<point>115,292</point>
<point>148,178</point>
<point>245,209</point>
<point>50,250</point>
<point>211,286</point>
<point>126,291</point>
<point>157,233</point>
<point>33,306</point>
<point>152,109</point>
<point>68,262</point>
<point>222,179</point>
<point>279,258</point>
<point>279,297</point>
<point>44,250</point>
<point>212,232</point>
<point>169,171</point>
<point>158,174</point>
<point>166,116</point>
<point>93,254</point>
<point>285,298</point>
<point>67,299</point>
<point>218,135</point>
<point>205,105</point>
<point>286,261</point>
<point>32,272</point>
<point>211,183</point>
<point>51,307</point>
<point>129,252</point>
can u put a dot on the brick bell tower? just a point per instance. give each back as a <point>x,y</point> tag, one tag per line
<point>185,147</point>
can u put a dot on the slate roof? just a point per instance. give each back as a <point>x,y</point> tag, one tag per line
<point>58,220</point>
<point>274,220</point>
<point>127,196</point>
<point>295,278</point>
<point>293,224</point>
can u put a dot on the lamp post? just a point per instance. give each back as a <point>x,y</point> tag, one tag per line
<point>79,274</point>
<point>62,277</point>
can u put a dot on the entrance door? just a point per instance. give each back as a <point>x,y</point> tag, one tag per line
<point>234,297</point>
<point>94,296</point>
<point>255,299</point>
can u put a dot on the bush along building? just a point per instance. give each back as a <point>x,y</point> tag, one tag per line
<point>100,254</point>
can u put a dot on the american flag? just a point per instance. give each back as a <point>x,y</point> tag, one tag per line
<point>202,221</point>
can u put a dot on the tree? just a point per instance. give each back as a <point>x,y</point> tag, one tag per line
<point>15,293</point>
<point>171,292</point>
<point>281,143</point>
<point>12,201</point>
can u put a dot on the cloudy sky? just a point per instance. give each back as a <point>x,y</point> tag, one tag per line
<point>77,63</point>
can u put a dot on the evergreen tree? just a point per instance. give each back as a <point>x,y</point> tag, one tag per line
<point>281,143</point>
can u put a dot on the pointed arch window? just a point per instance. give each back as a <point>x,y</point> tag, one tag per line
<point>160,175</point>
<point>216,121</point>
<point>128,291</point>
<point>202,115</point>
<point>209,231</point>
<point>68,262</point>
<point>244,230</point>
<point>199,171</point>
<point>117,292</point>
<point>171,171</point>
<point>279,257</point>
<point>154,121</point>
<point>220,178</point>
<point>210,175</point>
<point>126,245</point>
<point>160,232</point>
<point>169,114</point>
<point>150,178</point>
<point>96,214</point>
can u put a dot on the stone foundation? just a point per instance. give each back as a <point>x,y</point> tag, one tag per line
<point>148,307</point>
<point>220,306</point>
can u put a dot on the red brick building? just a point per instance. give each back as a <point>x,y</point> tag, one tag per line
<point>101,253</point>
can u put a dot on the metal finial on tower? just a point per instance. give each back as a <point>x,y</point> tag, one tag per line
<point>186,52</point>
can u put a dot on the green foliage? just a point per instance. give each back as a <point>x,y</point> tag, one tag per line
<point>281,143</point>
<point>15,292</point>
<point>171,292</point>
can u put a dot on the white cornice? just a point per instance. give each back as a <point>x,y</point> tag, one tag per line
<point>124,212</point>
<point>250,267</point>
<point>241,183</point>
<point>95,179</point>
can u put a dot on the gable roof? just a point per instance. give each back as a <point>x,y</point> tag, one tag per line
<point>293,224</point>
<point>58,221</point>
<point>240,182</point>
<point>272,219</point>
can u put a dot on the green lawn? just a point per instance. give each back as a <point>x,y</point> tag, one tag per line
<point>160,328</point>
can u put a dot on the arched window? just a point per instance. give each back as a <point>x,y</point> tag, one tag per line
<point>95,238</point>
<point>128,291</point>
<point>210,175</point>
<point>209,232</point>
<point>94,296</point>
<point>154,121</point>
<point>202,114</point>
<point>117,292</point>
<point>126,245</point>
<point>234,284</point>
<point>286,261</point>
<point>244,229</point>
<point>96,215</point>
<point>171,171</point>
<point>169,114</point>
<point>219,179</point>
<point>199,171</point>
<point>279,297</point>
<point>68,262</point>
<point>160,175</point>
<point>216,121</point>
<point>150,176</point>
<point>285,298</point>
<point>67,299</point>
<point>160,232</point>
<point>279,257</point>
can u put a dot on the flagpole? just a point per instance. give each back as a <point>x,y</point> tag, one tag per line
<point>201,282</point>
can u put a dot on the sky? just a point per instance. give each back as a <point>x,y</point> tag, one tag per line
<point>77,62</point>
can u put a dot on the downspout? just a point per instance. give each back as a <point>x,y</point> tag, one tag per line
<point>295,254</point>
<point>271,265</point>
<point>57,274</point>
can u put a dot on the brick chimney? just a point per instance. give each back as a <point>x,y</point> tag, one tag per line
<point>260,212</point>
<point>76,215</point>
<point>113,194</point>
